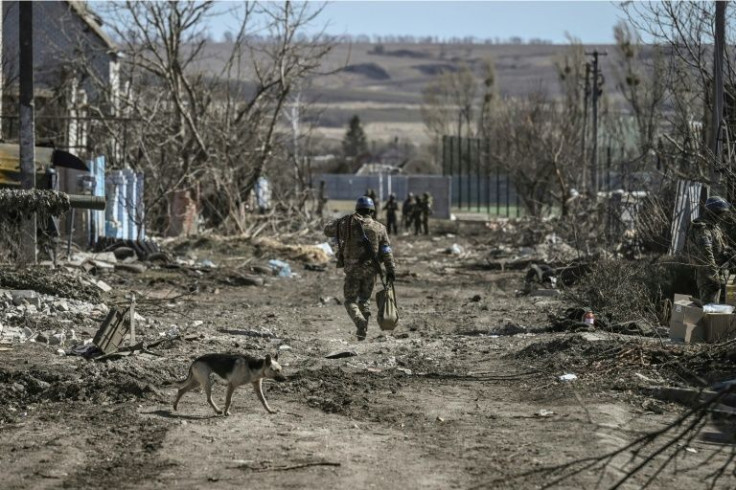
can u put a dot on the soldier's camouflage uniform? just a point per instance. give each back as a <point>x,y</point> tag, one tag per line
<point>707,251</point>
<point>422,211</point>
<point>360,271</point>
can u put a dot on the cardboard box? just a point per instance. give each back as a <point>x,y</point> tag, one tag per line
<point>719,326</point>
<point>689,324</point>
<point>685,319</point>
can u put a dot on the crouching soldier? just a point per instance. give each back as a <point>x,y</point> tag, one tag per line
<point>362,245</point>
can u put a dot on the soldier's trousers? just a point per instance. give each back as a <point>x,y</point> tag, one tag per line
<point>358,289</point>
<point>709,290</point>
<point>391,224</point>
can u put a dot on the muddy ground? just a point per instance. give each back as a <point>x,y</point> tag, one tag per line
<point>464,394</point>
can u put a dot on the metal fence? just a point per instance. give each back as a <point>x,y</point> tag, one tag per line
<point>476,182</point>
<point>348,187</point>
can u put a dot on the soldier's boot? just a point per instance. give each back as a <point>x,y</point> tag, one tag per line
<point>362,329</point>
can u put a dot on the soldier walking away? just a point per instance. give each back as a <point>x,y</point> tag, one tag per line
<point>362,242</point>
<point>406,211</point>
<point>706,248</point>
<point>392,207</point>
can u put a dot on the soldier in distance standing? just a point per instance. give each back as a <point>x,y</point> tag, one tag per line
<point>707,251</point>
<point>362,243</point>
<point>426,207</point>
<point>391,207</point>
<point>407,209</point>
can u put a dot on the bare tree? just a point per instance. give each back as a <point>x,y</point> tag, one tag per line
<point>205,119</point>
<point>686,32</point>
<point>448,103</point>
<point>642,83</point>
<point>539,150</point>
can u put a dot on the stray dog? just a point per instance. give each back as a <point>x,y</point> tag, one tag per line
<point>236,370</point>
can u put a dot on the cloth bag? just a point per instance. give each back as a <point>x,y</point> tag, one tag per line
<point>388,312</point>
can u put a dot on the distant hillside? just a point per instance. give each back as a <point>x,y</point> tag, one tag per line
<point>383,83</point>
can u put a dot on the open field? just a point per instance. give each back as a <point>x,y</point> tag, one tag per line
<point>383,84</point>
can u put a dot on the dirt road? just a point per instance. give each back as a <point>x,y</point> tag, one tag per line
<point>444,402</point>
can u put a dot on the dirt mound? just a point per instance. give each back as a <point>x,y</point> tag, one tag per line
<point>565,352</point>
<point>401,53</point>
<point>436,69</point>
<point>46,281</point>
<point>368,70</point>
<point>95,382</point>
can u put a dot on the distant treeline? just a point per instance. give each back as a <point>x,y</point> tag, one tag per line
<point>408,39</point>
<point>228,37</point>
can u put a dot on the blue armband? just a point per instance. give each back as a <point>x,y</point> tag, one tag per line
<point>385,249</point>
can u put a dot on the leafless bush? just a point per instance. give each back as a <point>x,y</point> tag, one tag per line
<point>623,290</point>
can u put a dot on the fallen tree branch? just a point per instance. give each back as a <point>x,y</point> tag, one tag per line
<point>286,468</point>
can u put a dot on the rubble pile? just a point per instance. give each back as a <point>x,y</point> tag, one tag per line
<point>66,282</point>
<point>26,315</point>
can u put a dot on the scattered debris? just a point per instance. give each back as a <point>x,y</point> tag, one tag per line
<point>341,354</point>
<point>567,377</point>
<point>265,334</point>
<point>324,246</point>
<point>281,268</point>
<point>455,249</point>
<point>315,267</point>
<point>111,332</point>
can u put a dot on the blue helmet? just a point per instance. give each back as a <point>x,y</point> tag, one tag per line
<point>365,202</point>
<point>717,204</point>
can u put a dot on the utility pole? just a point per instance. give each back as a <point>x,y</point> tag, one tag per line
<point>597,81</point>
<point>586,95</point>
<point>27,126</point>
<point>717,117</point>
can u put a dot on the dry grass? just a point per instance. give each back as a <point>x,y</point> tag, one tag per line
<point>624,291</point>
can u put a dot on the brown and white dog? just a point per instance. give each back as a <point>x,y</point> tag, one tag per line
<point>236,370</point>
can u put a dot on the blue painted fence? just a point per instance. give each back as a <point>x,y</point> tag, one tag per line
<point>123,215</point>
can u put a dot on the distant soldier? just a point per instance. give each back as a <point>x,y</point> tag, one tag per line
<point>707,250</point>
<point>391,207</point>
<point>406,211</point>
<point>416,215</point>
<point>362,243</point>
<point>425,207</point>
<point>372,194</point>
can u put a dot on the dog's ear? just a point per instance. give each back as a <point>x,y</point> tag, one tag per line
<point>276,357</point>
<point>268,360</point>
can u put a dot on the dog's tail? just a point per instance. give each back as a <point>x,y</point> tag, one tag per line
<point>183,382</point>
